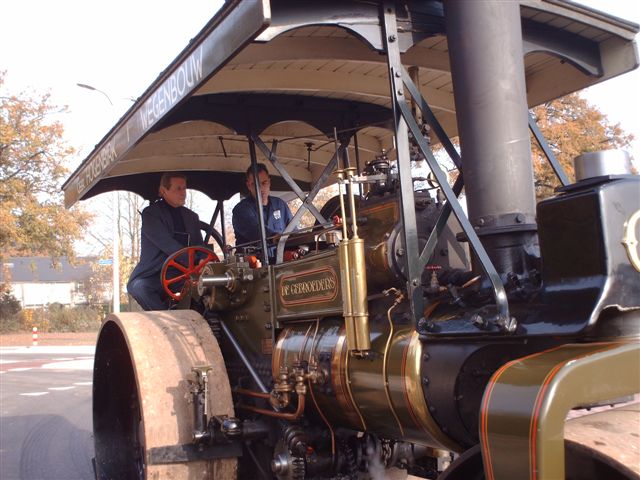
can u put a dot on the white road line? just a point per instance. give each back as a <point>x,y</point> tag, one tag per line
<point>65,350</point>
<point>4,362</point>
<point>23,369</point>
<point>82,384</point>
<point>34,394</point>
<point>72,365</point>
<point>60,388</point>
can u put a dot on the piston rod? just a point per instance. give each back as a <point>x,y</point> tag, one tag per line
<point>243,357</point>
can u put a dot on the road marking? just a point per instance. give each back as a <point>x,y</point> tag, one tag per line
<point>19,369</point>
<point>60,388</point>
<point>83,383</point>
<point>65,350</point>
<point>34,394</point>
<point>72,365</point>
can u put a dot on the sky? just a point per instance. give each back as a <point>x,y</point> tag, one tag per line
<point>619,98</point>
<point>121,46</point>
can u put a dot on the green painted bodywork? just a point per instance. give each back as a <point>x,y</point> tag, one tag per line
<point>527,400</point>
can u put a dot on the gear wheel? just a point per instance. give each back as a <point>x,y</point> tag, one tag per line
<point>214,322</point>
<point>298,468</point>
<point>286,465</point>
<point>295,439</point>
<point>351,464</point>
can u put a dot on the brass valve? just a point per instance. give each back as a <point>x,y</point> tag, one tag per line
<point>315,374</point>
<point>283,385</point>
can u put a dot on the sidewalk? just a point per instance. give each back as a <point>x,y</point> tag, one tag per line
<point>24,339</point>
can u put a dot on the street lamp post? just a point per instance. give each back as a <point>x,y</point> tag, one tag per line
<point>116,253</point>
<point>116,233</point>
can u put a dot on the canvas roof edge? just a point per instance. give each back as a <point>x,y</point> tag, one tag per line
<point>618,55</point>
<point>625,28</point>
<point>194,65</point>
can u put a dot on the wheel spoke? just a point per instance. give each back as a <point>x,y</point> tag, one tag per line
<point>173,280</point>
<point>178,266</point>
<point>192,258</point>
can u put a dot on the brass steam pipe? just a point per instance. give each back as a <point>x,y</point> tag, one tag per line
<point>343,253</point>
<point>352,200</point>
<point>270,413</point>
<point>385,361</point>
<point>341,179</point>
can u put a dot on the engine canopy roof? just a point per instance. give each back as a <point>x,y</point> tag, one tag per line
<point>299,72</point>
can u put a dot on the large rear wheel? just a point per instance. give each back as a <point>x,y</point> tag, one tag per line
<point>141,394</point>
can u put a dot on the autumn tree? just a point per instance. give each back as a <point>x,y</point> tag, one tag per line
<point>97,287</point>
<point>571,126</point>
<point>33,220</point>
<point>129,225</point>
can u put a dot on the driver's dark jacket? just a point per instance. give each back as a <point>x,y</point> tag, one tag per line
<point>159,238</point>
<point>245,219</point>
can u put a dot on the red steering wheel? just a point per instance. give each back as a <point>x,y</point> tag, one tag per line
<point>188,272</point>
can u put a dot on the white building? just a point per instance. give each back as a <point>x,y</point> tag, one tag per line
<point>37,281</point>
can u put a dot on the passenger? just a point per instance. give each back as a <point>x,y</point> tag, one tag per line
<point>245,215</point>
<point>167,226</point>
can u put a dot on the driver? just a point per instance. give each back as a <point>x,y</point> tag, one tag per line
<point>167,226</point>
<point>245,215</point>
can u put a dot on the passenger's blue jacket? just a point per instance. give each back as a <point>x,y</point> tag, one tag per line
<point>245,219</point>
<point>159,238</point>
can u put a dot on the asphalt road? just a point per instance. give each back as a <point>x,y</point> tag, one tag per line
<point>45,421</point>
<point>45,406</point>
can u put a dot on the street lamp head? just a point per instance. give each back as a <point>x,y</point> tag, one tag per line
<point>89,87</point>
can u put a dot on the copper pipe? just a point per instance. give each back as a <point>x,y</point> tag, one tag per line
<point>428,310</point>
<point>324,419</point>
<point>313,397</point>
<point>251,393</point>
<point>304,344</point>
<point>471,282</point>
<point>270,413</point>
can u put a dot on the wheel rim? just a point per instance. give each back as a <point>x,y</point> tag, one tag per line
<point>142,370</point>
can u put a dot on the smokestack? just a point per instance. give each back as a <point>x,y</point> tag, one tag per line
<point>487,68</point>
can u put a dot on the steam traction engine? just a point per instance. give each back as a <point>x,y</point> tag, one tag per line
<point>329,376</point>
<point>406,334</point>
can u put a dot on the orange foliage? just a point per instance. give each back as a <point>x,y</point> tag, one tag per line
<point>571,126</point>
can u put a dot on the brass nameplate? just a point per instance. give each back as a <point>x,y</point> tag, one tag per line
<point>311,286</point>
